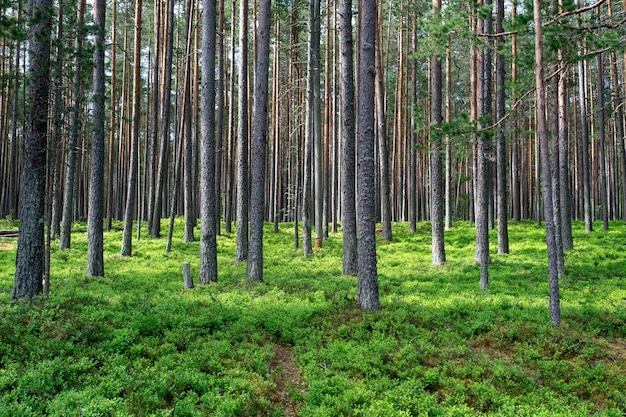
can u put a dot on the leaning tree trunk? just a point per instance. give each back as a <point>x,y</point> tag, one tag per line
<point>29,262</point>
<point>348,147</point>
<point>259,142</point>
<point>542,131</point>
<point>126,249</point>
<point>367,292</point>
<point>95,254</point>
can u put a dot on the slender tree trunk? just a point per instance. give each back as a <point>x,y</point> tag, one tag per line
<point>565,199</point>
<point>219,116</point>
<point>208,242</point>
<point>436,163</point>
<point>112,123</point>
<point>448,119</point>
<point>584,146</point>
<point>604,200</point>
<point>501,150</point>
<point>72,141</point>
<point>367,292</point>
<point>381,135</point>
<point>191,219</point>
<point>542,131</point>
<point>29,263</point>
<point>259,141</point>
<point>95,255</point>
<point>126,249</point>
<point>152,148</point>
<point>348,146</point>
<point>242,137</point>
<point>482,149</point>
<point>315,90</point>
<point>164,118</point>
<point>228,198</point>
<point>57,123</point>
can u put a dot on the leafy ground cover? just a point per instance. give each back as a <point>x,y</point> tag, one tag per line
<point>136,344</point>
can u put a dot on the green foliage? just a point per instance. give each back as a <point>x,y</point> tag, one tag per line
<point>136,344</point>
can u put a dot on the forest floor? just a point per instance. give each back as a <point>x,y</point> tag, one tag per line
<point>135,343</point>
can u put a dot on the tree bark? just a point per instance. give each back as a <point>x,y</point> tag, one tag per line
<point>29,263</point>
<point>242,137</point>
<point>126,249</point>
<point>208,242</point>
<point>501,150</point>
<point>542,131</point>
<point>367,291</point>
<point>95,255</point>
<point>436,148</point>
<point>72,140</point>
<point>259,142</point>
<point>348,146</point>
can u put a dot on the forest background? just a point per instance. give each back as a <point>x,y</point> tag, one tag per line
<point>433,142</point>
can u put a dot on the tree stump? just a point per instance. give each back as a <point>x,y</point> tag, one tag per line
<point>188,279</point>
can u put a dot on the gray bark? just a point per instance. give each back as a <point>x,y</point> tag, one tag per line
<point>165,123</point>
<point>208,242</point>
<point>259,142</point>
<point>95,254</point>
<point>348,146</point>
<point>542,131</point>
<point>436,163</point>
<point>501,149</point>
<point>604,199</point>
<point>584,148</point>
<point>72,140</point>
<point>127,243</point>
<point>367,291</point>
<point>242,137</point>
<point>29,263</point>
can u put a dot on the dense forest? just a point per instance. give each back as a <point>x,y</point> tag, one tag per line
<point>330,115</point>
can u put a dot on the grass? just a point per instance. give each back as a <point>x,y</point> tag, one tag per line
<point>136,344</point>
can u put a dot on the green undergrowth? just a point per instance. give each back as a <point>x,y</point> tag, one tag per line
<point>134,343</point>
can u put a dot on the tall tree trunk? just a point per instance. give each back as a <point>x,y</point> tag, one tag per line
<point>565,200</point>
<point>259,141</point>
<point>436,163</point>
<point>604,200</point>
<point>228,198</point>
<point>208,242</point>
<point>483,150</point>
<point>152,148</point>
<point>242,137</point>
<point>126,249</point>
<point>348,146</point>
<point>29,263</point>
<point>448,119</point>
<point>95,255</point>
<point>501,150</point>
<point>542,131</point>
<point>381,134</point>
<point>367,292</point>
<point>72,140</point>
<point>219,116</point>
<point>191,219</point>
<point>315,90</point>
<point>164,117</point>
<point>112,123</point>
<point>584,146</point>
<point>57,123</point>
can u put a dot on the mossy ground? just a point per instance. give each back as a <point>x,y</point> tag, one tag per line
<point>136,344</point>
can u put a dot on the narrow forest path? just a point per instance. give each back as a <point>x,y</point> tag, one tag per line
<point>288,380</point>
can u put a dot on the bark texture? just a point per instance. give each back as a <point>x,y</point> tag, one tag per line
<point>29,263</point>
